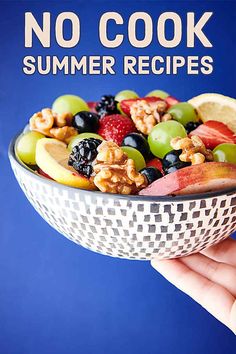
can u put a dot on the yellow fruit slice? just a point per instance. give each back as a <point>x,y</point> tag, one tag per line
<point>52,157</point>
<point>213,106</point>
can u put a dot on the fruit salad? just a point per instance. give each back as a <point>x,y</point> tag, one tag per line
<point>126,144</point>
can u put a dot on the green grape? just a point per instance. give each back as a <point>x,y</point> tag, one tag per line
<point>136,156</point>
<point>225,153</point>
<point>125,95</point>
<point>161,135</point>
<point>183,112</point>
<point>158,93</point>
<point>69,103</point>
<point>75,140</point>
<point>26,146</point>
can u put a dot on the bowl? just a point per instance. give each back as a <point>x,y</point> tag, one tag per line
<point>131,227</point>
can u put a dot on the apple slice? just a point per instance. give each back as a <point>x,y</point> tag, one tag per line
<point>52,157</point>
<point>206,177</point>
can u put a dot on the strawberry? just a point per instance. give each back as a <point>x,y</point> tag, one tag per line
<point>170,100</point>
<point>92,106</point>
<point>214,133</point>
<point>115,127</point>
<point>126,104</point>
<point>155,163</point>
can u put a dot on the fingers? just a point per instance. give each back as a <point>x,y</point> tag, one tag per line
<point>223,252</point>
<point>233,317</point>
<point>213,297</point>
<point>220,273</point>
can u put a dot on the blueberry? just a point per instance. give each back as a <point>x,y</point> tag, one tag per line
<point>86,122</point>
<point>176,167</point>
<point>138,142</point>
<point>151,173</point>
<point>190,126</point>
<point>172,163</point>
<point>171,158</point>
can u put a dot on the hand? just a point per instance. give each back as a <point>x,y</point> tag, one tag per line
<point>208,277</point>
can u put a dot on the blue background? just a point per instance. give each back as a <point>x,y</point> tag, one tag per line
<point>56,297</point>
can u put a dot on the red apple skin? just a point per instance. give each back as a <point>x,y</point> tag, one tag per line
<point>42,173</point>
<point>210,176</point>
<point>156,163</point>
<point>92,106</point>
<point>171,101</point>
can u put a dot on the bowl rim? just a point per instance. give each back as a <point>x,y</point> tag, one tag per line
<point>151,198</point>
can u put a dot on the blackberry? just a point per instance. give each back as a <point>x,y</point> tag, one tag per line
<point>83,155</point>
<point>190,126</point>
<point>106,106</point>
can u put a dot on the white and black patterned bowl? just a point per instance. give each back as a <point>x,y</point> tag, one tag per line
<point>132,227</point>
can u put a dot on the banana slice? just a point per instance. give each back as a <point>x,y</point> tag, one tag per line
<point>52,157</point>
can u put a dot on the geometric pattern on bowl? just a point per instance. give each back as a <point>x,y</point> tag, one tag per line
<point>131,227</point>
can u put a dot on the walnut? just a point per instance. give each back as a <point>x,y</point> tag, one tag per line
<point>146,115</point>
<point>64,119</point>
<point>166,117</point>
<point>64,133</point>
<point>42,121</point>
<point>111,153</point>
<point>115,172</point>
<point>53,125</point>
<point>193,150</point>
